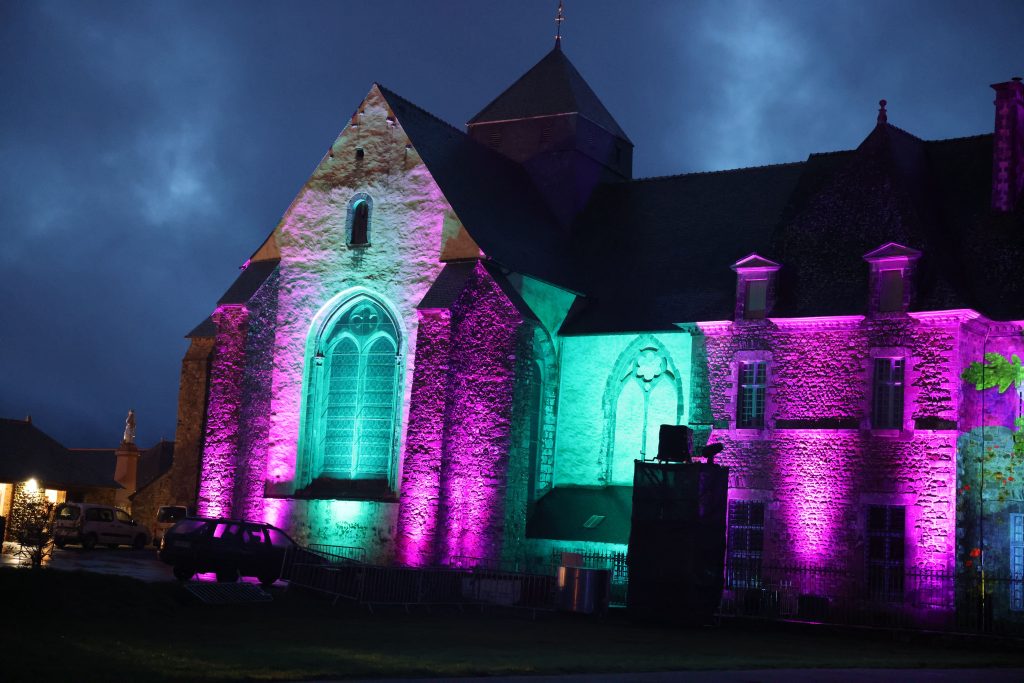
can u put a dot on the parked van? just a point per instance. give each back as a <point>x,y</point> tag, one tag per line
<point>88,524</point>
<point>166,517</point>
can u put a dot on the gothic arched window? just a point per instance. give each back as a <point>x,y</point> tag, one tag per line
<point>359,220</point>
<point>643,394</point>
<point>352,394</point>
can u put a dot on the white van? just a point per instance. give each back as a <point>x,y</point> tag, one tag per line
<point>88,524</point>
<point>166,517</point>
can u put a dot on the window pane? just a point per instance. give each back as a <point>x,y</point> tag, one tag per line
<point>751,394</point>
<point>757,293</point>
<point>887,407</point>
<point>891,294</point>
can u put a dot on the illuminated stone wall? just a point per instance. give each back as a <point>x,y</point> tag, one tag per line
<point>220,445</point>
<point>454,496</point>
<point>818,464</point>
<point>252,457</point>
<point>592,369</point>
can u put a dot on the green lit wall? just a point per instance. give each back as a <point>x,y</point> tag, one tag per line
<point>604,379</point>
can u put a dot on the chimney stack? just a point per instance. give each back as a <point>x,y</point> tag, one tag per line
<point>1008,145</point>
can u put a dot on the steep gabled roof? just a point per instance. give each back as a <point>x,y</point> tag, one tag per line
<point>493,196</point>
<point>552,86</point>
<point>27,452</point>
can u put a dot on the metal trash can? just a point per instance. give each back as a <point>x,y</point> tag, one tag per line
<point>584,591</point>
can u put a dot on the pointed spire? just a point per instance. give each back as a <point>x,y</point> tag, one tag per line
<point>559,18</point>
<point>882,116</point>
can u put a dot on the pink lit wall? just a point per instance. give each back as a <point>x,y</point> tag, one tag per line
<point>818,464</point>
<point>453,506</point>
<point>220,444</point>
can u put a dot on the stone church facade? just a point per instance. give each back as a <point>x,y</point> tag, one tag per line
<point>455,343</point>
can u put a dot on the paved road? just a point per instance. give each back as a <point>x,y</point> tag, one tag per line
<point>756,676</point>
<point>138,564</point>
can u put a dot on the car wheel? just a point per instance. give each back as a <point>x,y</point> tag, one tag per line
<point>139,543</point>
<point>60,543</point>
<point>268,580</point>
<point>183,572</point>
<point>227,575</point>
<point>89,541</point>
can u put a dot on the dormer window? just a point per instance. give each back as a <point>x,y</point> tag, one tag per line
<point>890,280</point>
<point>755,287</point>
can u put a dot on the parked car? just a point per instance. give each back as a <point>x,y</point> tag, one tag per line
<point>166,517</point>
<point>88,524</point>
<point>228,547</point>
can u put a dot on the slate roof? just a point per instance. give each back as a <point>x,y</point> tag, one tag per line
<point>452,281</point>
<point>552,86</point>
<point>27,452</point>
<point>563,511</point>
<point>659,249</point>
<point>492,195</point>
<point>153,462</point>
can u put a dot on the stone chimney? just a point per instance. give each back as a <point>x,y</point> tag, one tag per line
<point>1008,145</point>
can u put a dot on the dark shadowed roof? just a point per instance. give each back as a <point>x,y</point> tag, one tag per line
<point>453,279</point>
<point>552,86</point>
<point>659,250</point>
<point>492,196</point>
<point>154,461</point>
<point>248,281</point>
<point>27,452</point>
<point>563,514</point>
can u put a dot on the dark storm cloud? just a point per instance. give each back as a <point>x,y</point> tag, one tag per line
<point>149,147</point>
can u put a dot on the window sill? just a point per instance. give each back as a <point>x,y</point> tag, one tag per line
<point>325,488</point>
<point>749,433</point>
<point>891,433</point>
<point>358,246</point>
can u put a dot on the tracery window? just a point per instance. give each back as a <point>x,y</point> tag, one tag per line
<point>648,397</point>
<point>352,396</point>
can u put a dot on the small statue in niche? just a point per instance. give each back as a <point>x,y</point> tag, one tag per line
<point>129,428</point>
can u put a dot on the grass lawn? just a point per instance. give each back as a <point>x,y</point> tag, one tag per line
<point>90,627</point>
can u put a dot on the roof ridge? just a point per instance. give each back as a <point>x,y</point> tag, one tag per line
<point>905,132</point>
<point>388,91</point>
<point>720,171</point>
<point>976,136</point>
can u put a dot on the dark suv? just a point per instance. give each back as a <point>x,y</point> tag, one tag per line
<point>228,547</point>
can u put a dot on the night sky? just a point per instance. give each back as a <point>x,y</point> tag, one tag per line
<point>149,147</point>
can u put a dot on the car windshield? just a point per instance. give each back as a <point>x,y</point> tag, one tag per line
<point>69,512</point>
<point>188,526</point>
<point>122,516</point>
<point>279,539</point>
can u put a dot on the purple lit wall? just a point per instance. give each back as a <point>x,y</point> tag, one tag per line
<point>466,519</point>
<point>421,472</point>
<point>818,463</point>
<point>220,446</point>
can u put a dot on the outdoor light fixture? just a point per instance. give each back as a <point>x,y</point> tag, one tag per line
<point>31,486</point>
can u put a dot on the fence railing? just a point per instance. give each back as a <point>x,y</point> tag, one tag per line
<point>336,574</point>
<point>914,598</point>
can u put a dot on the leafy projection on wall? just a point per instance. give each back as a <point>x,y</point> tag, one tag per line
<point>997,371</point>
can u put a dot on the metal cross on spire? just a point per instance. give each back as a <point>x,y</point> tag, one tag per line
<point>559,18</point>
